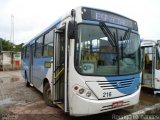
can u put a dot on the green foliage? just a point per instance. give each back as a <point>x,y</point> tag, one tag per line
<point>6,45</point>
<point>18,47</point>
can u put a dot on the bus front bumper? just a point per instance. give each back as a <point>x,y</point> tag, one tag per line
<point>80,106</point>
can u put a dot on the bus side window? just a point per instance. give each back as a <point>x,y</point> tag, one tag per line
<point>27,51</point>
<point>48,44</point>
<point>39,45</point>
<point>157,60</point>
<point>22,53</point>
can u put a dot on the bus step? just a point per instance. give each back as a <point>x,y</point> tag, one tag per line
<point>60,105</point>
<point>59,101</point>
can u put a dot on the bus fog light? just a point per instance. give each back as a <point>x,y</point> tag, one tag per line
<point>81,91</point>
<point>88,94</point>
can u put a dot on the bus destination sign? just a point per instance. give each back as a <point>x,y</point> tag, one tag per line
<point>93,14</point>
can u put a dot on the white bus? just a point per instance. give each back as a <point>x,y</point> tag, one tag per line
<point>151,72</point>
<point>87,62</point>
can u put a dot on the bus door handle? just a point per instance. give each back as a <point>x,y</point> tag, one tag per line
<point>58,74</point>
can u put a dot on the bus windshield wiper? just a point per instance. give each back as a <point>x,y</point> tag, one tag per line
<point>127,36</point>
<point>124,41</point>
<point>108,33</point>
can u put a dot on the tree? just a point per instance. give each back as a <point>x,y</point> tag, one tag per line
<point>6,45</point>
<point>18,47</point>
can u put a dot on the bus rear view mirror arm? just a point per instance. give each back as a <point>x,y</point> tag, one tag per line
<point>72,29</point>
<point>72,26</point>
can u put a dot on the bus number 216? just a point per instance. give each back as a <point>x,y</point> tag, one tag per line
<point>107,94</point>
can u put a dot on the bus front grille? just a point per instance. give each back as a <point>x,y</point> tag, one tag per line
<point>115,84</point>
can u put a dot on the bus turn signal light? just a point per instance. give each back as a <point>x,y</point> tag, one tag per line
<point>76,88</point>
<point>84,92</point>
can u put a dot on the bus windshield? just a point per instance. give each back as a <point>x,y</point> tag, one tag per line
<point>97,54</point>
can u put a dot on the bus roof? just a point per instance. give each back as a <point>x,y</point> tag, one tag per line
<point>147,43</point>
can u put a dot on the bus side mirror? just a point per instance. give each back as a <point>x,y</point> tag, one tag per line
<point>72,29</point>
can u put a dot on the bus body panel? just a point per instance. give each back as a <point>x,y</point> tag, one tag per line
<point>40,72</point>
<point>25,71</point>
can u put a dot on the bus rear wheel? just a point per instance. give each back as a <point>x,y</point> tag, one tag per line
<point>47,95</point>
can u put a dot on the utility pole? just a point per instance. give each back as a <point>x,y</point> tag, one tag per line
<point>0,45</point>
<point>12,38</point>
<point>12,29</point>
<point>0,54</point>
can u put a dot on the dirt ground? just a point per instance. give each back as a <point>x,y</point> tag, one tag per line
<point>18,102</point>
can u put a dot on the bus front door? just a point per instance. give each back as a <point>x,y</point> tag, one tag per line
<point>59,69</point>
<point>149,67</point>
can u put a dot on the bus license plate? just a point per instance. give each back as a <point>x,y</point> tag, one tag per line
<point>117,104</point>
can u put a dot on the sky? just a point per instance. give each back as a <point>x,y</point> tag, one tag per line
<point>32,16</point>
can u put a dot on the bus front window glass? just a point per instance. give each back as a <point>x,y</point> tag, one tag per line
<point>96,54</point>
<point>129,54</point>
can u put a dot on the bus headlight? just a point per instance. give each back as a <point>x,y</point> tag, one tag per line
<point>88,94</point>
<point>83,92</point>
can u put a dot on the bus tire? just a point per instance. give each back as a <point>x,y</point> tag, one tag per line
<point>47,95</point>
<point>26,81</point>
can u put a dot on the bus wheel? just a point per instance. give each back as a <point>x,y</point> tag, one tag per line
<point>47,95</point>
<point>26,80</point>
